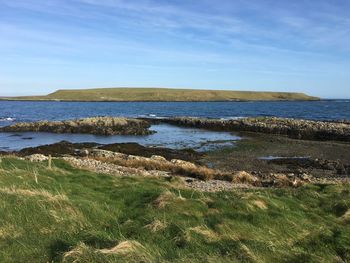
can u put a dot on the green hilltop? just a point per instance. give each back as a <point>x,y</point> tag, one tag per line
<point>164,94</point>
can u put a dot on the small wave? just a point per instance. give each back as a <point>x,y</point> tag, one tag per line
<point>342,101</point>
<point>232,118</point>
<point>147,115</point>
<point>7,119</point>
<point>151,116</point>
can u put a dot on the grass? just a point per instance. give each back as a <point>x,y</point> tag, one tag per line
<point>65,214</point>
<point>164,94</point>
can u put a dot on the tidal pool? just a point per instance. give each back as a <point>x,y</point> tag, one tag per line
<point>166,135</point>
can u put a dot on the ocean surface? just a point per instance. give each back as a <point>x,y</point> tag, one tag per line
<point>32,111</point>
<point>167,135</point>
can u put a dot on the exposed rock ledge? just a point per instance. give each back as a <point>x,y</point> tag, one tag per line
<point>118,164</point>
<point>293,128</point>
<point>96,125</point>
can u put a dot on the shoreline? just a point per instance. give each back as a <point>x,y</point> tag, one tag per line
<point>107,125</point>
<point>326,145</point>
<point>324,159</point>
<point>290,127</point>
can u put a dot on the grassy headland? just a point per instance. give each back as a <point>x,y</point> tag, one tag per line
<point>65,214</point>
<point>164,94</point>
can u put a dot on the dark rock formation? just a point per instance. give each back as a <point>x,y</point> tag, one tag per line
<point>56,149</point>
<point>97,125</point>
<point>293,128</point>
<point>67,148</point>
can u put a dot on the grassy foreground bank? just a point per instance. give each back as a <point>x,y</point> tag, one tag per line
<point>163,94</point>
<point>70,215</point>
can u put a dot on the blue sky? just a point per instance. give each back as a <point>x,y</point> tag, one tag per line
<point>301,45</point>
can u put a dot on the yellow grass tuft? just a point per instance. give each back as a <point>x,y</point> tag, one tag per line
<point>75,253</point>
<point>156,226</point>
<point>164,199</point>
<point>260,204</point>
<point>33,193</point>
<point>9,231</point>
<point>213,211</point>
<point>346,217</point>
<point>207,233</point>
<point>243,177</point>
<point>130,251</point>
<point>248,254</point>
<point>281,180</point>
<point>123,248</point>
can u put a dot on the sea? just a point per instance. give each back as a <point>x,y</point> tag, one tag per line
<point>166,135</point>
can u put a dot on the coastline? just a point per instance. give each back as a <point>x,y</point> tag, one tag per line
<point>321,145</point>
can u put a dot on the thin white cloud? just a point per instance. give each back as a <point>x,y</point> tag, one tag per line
<point>287,27</point>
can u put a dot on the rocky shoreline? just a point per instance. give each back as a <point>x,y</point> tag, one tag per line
<point>325,145</point>
<point>95,125</point>
<point>192,168</point>
<point>194,176</point>
<point>330,168</point>
<point>293,128</point>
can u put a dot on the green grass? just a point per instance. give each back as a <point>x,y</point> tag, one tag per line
<point>46,214</point>
<point>163,94</point>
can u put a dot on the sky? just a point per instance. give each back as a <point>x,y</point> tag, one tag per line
<point>262,45</point>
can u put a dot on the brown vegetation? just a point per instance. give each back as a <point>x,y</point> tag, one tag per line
<point>195,171</point>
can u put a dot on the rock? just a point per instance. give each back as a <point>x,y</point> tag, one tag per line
<point>98,153</point>
<point>109,168</point>
<point>212,185</point>
<point>137,149</point>
<point>158,158</point>
<point>37,158</point>
<point>306,177</point>
<point>293,128</point>
<point>96,125</point>
<point>297,183</point>
<point>62,148</point>
<point>83,152</point>
<point>137,158</point>
<point>246,178</point>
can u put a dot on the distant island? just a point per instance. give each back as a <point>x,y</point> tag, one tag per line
<point>163,94</point>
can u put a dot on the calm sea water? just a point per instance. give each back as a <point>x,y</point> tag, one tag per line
<point>31,111</point>
<point>168,136</point>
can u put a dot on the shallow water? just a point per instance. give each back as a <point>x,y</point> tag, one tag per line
<point>271,158</point>
<point>167,136</point>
